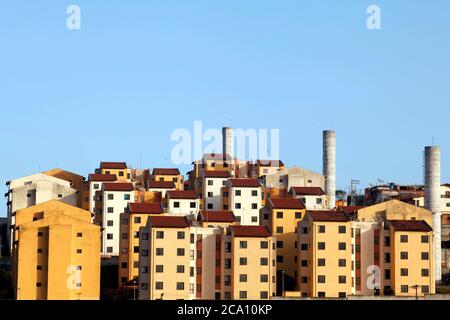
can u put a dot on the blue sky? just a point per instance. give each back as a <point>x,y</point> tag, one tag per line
<point>137,70</point>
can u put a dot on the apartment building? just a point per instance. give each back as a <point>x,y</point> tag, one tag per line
<point>314,198</point>
<point>250,264</point>
<point>213,182</point>
<point>95,190</point>
<point>168,175</point>
<point>244,198</point>
<point>294,177</point>
<point>183,203</point>
<point>216,219</point>
<point>56,253</point>
<point>325,255</point>
<point>284,215</point>
<point>131,221</point>
<point>165,259</point>
<point>35,189</point>
<point>161,187</point>
<point>116,197</point>
<point>267,167</point>
<point>119,169</point>
<point>76,181</point>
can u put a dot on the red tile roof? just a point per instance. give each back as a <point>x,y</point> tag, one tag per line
<point>329,216</point>
<point>169,222</point>
<point>161,185</point>
<point>102,177</point>
<point>245,183</point>
<point>308,191</point>
<point>113,165</point>
<point>410,225</point>
<point>182,194</point>
<point>145,208</point>
<point>250,231</point>
<point>270,163</point>
<point>217,216</point>
<point>217,174</point>
<point>166,172</point>
<point>287,203</point>
<point>124,187</point>
<point>350,209</point>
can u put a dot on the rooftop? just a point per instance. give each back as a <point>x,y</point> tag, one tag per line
<point>250,231</point>
<point>183,194</point>
<point>166,172</point>
<point>270,163</point>
<point>329,216</point>
<point>287,203</point>
<point>217,174</point>
<point>410,225</point>
<point>102,177</point>
<point>123,187</point>
<point>217,216</point>
<point>308,191</point>
<point>145,208</point>
<point>169,222</point>
<point>113,165</point>
<point>245,183</point>
<point>161,185</point>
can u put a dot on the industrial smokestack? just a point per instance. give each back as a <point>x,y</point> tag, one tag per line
<point>228,141</point>
<point>329,166</point>
<point>433,201</point>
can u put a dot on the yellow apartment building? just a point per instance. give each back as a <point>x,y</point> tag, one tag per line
<point>284,215</point>
<point>131,222</point>
<point>252,263</point>
<point>165,259</point>
<point>56,253</point>
<point>325,255</point>
<point>168,175</point>
<point>120,169</point>
<point>267,167</point>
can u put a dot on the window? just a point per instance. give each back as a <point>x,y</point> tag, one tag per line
<point>227,264</point>
<point>145,253</point>
<point>126,197</point>
<point>110,210</point>
<point>426,289</point>
<point>39,268</point>
<point>79,251</point>
<point>180,269</point>
<point>264,262</point>
<point>387,274</point>
<point>237,193</point>
<point>425,272</point>
<point>180,235</point>
<point>192,235</point>
<point>237,205</point>
<point>243,261</point>
<point>321,279</point>
<point>424,256</point>
<point>264,278</point>
<point>110,223</point>
<point>321,246</point>
<point>144,269</point>
<point>264,245</point>
<point>144,236</point>
<point>342,263</point>
<point>210,206</point>
<point>387,241</point>
<point>109,250</point>
<point>110,196</point>
<point>342,246</point>
<point>79,235</point>
<point>110,236</point>
<point>298,215</point>
<point>159,251</point>
<point>136,249</point>
<point>342,229</point>
<point>254,193</point>
<point>304,263</point>
<point>124,265</point>
<point>38,284</point>
<point>404,238</point>
<point>304,231</point>
<point>342,279</point>
<point>254,219</point>
<point>242,294</point>
<point>404,255</point>
<point>254,206</point>
<point>243,244</point>
<point>242,278</point>
<point>180,252</point>
<point>159,234</point>
<point>321,229</point>
<point>387,258</point>
<point>96,186</point>
<point>304,247</point>
<point>280,259</point>
<point>404,272</point>
<point>137,220</point>
<point>210,182</point>
<point>404,289</point>
<point>264,295</point>
<point>193,205</point>
<point>159,285</point>
<point>40,234</point>
<point>425,239</point>
<point>280,230</point>
<point>279,215</point>
<point>280,244</point>
<point>176,204</point>
<point>159,268</point>
<point>321,262</point>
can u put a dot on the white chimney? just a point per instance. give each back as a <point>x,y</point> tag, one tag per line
<point>228,141</point>
<point>433,201</point>
<point>329,166</point>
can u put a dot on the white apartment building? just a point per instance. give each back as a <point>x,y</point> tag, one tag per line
<point>183,203</point>
<point>314,198</point>
<point>245,200</point>
<point>116,197</point>
<point>96,186</point>
<point>35,189</point>
<point>213,182</point>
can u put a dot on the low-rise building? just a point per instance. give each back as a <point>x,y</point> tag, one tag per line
<point>213,182</point>
<point>314,198</point>
<point>168,175</point>
<point>183,203</point>
<point>243,197</point>
<point>119,169</point>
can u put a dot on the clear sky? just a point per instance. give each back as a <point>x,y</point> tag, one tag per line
<point>138,70</point>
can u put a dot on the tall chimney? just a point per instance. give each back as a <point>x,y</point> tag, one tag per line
<point>228,141</point>
<point>329,166</point>
<point>433,201</point>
